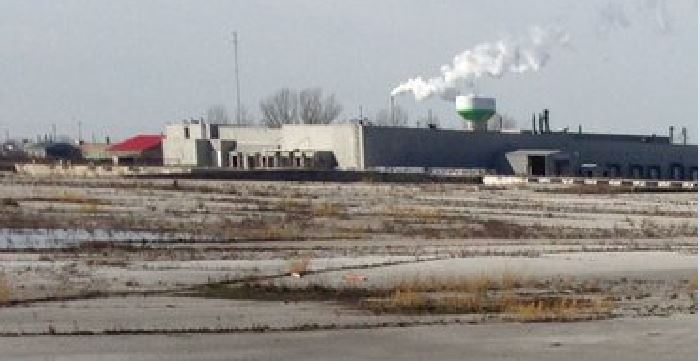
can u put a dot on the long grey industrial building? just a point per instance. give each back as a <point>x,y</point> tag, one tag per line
<point>367,147</point>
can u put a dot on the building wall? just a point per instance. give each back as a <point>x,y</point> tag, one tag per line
<point>341,139</point>
<point>367,147</point>
<point>420,147</point>
<point>252,139</point>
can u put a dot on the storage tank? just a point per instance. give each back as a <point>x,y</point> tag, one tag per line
<point>475,109</point>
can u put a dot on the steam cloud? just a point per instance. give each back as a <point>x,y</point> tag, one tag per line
<point>488,59</point>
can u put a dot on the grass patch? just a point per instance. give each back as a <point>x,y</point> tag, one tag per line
<point>508,295</point>
<point>5,290</point>
<point>328,210</point>
<point>559,309</point>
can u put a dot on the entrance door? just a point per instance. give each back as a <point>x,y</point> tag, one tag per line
<point>536,164</point>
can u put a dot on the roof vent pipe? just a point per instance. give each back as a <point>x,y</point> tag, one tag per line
<point>670,134</point>
<point>684,133</point>
<point>534,126</point>
<point>546,120</point>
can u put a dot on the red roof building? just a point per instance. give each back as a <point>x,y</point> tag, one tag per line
<point>138,150</point>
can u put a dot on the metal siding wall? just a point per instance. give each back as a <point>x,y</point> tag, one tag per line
<point>419,147</point>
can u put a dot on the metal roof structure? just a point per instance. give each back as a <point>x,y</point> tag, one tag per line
<point>139,143</point>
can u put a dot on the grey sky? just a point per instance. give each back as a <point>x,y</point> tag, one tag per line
<point>125,67</point>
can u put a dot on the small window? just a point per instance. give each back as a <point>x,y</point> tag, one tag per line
<point>187,132</point>
<point>214,131</point>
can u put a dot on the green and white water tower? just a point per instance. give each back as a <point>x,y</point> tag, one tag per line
<point>476,110</point>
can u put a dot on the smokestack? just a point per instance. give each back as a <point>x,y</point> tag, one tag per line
<point>107,139</point>
<point>546,120</point>
<point>534,127</point>
<point>392,110</point>
<point>684,134</point>
<point>540,120</point>
<point>670,134</point>
<point>580,129</point>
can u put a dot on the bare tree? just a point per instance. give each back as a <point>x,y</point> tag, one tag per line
<point>314,109</point>
<point>217,114</point>
<point>280,108</point>
<point>400,117</point>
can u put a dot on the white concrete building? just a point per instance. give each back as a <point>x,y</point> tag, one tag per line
<point>247,147</point>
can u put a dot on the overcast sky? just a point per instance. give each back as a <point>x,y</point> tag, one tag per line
<point>126,67</point>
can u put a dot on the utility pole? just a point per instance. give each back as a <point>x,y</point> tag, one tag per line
<point>238,85</point>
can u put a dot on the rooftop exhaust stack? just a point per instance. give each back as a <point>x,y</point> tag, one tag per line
<point>684,134</point>
<point>475,110</point>
<point>670,134</point>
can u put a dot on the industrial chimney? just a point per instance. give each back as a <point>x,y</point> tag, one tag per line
<point>670,134</point>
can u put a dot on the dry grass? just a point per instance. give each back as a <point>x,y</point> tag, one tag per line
<point>89,208</point>
<point>507,294</point>
<point>438,303</point>
<point>5,290</point>
<point>693,284</point>
<point>68,197</point>
<point>480,283</point>
<point>327,210</point>
<point>282,232</point>
<point>415,212</point>
<point>559,309</point>
<point>299,266</point>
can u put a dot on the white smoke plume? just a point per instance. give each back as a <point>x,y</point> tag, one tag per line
<point>528,54</point>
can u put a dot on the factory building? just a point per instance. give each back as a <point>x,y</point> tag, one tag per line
<point>535,152</point>
<point>365,147</point>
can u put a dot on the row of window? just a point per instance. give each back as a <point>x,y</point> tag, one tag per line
<point>637,171</point>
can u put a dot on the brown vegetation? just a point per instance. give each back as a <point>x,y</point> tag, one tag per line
<point>5,290</point>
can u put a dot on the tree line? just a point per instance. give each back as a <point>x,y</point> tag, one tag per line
<point>308,106</point>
